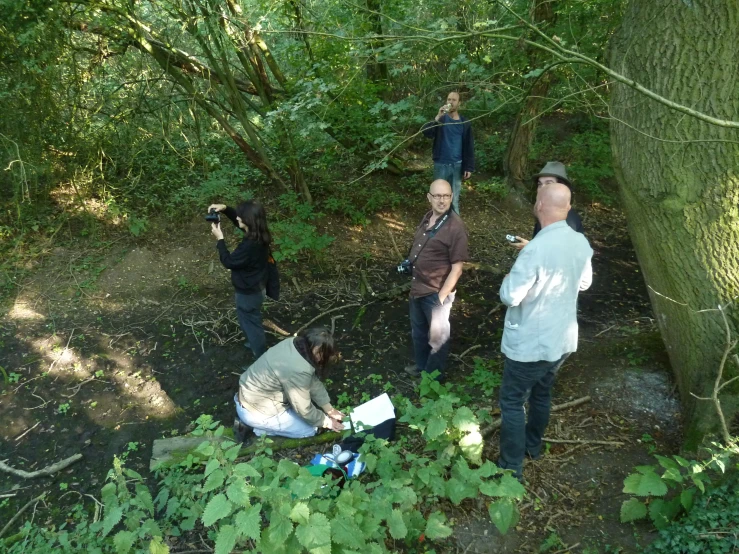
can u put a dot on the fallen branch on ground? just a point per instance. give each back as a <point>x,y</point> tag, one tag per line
<point>48,470</point>
<point>23,509</point>
<point>324,314</point>
<point>577,441</point>
<point>573,403</point>
<point>283,444</point>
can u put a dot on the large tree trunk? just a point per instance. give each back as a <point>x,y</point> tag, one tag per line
<point>679,180</point>
<point>516,160</point>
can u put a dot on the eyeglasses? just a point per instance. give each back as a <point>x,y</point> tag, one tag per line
<point>440,196</point>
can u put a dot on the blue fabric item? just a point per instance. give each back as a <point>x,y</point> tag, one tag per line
<point>522,382</point>
<point>450,136</point>
<point>352,469</point>
<point>452,174</point>
<point>433,130</point>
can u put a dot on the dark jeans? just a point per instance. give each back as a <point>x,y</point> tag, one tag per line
<point>452,174</point>
<point>524,381</point>
<point>249,313</point>
<point>431,331</point>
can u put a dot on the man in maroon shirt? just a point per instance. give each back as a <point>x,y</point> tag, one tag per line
<point>438,252</point>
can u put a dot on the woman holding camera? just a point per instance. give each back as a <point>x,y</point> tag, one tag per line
<point>279,392</point>
<point>248,265</point>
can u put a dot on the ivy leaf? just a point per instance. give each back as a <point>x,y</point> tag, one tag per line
<point>112,518</point>
<point>218,508</point>
<point>226,539</point>
<point>123,541</point>
<point>632,509</point>
<point>345,531</point>
<point>465,420</point>
<point>238,493</point>
<point>645,484</point>
<point>300,513</point>
<point>214,481</point>
<point>316,533</point>
<point>396,525</point>
<point>503,514</point>
<point>435,528</point>
<point>157,547</point>
<point>303,487</point>
<point>436,427</point>
<point>471,446</point>
<point>249,522</point>
<point>211,466</point>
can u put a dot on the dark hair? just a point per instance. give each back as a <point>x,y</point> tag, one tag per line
<point>322,339</point>
<point>252,215</point>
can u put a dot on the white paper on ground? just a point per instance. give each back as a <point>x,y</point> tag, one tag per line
<point>371,413</point>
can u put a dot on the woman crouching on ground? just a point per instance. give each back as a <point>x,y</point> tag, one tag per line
<point>278,392</point>
<point>248,265</point>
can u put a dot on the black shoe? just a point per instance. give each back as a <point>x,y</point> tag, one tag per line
<point>412,370</point>
<point>242,432</point>
<point>534,457</point>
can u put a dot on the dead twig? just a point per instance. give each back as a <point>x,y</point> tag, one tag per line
<point>470,349</point>
<point>336,309</point>
<point>48,470</point>
<point>23,509</point>
<point>578,441</point>
<point>573,403</point>
<point>77,388</point>
<point>567,548</point>
<point>61,354</point>
<point>27,431</point>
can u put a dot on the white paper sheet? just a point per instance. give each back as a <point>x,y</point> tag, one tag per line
<point>372,413</point>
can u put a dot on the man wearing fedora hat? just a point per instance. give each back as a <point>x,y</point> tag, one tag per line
<point>553,172</point>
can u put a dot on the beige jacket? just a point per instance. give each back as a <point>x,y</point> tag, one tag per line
<point>281,379</point>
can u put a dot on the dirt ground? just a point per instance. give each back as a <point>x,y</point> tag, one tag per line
<point>113,345</point>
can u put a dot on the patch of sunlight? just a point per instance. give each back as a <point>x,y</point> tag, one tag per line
<point>23,311</point>
<point>392,223</point>
<point>148,395</point>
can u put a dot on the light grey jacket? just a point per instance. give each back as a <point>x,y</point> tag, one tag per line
<point>541,294</point>
<point>280,379</point>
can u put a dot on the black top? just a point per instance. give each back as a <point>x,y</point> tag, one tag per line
<point>248,263</point>
<point>573,220</point>
<point>434,130</point>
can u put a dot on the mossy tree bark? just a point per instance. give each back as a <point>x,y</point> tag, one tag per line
<point>516,159</point>
<point>679,180</point>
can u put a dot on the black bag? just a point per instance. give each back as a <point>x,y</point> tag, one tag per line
<point>273,278</point>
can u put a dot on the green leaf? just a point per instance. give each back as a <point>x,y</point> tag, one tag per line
<point>211,466</point>
<point>632,509</point>
<point>508,486</point>
<point>157,547</point>
<point>151,528</point>
<point>646,484</point>
<point>238,493</point>
<point>396,525</point>
<point>246,470</point>
<point>226,539</point>
<point>503,514</point>
<point>205,448</point>
<point>143,499</point>
<point>214,481</point>
<point>123,541</point>
<point>218,508</point>
<point>662,513</point>
<point>112,518</point>
<point>232,453</point>
<point>300,513</point>
<point>465,420</point>
<point>304,486</point>
<point>457,490</point>
<point>436,427</point>
<point>686,499</point>
<point>435,528</point>
<point>249,522</point>
<point>316,533</point>
<point>668,463</point>
<point>280,528</point>
<point>288,468</point>
<point>345,531</point>
<point>533,73</point>
<point>698,482</point>
<point>471,446</point>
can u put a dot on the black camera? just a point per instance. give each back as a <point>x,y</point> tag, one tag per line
<point>405,267</point>
<point>213,216</point>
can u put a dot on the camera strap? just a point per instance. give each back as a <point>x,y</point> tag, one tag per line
<point>430,234</point>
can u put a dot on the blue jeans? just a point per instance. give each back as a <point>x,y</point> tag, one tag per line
<point>525,381</point>
<point>286,424</point>
<point>452,173</point>
<point>431,331</point>
<point>249,314</point>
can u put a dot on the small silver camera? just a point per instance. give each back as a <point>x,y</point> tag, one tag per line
<point>511,238</point>
<point>405,267</point>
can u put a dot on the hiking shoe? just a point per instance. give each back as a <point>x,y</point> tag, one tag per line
<point>412,370</point>
<point>534,457</point>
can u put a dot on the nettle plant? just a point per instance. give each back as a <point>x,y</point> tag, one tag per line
<point>269,506</point>
<point>670,489</point>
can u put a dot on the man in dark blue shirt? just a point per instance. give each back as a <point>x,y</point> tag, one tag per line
<point>453,150</point>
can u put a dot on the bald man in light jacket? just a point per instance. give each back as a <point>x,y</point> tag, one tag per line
<point>540,328</point>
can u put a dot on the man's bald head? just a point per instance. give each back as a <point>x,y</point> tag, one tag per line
<point>552,203</point>
<point>440,186</point>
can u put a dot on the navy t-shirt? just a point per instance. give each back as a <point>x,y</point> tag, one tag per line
<point>451,140</point>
